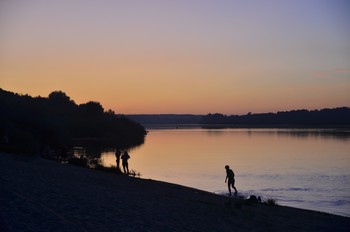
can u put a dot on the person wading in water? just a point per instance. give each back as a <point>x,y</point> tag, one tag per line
<point>230,176</point>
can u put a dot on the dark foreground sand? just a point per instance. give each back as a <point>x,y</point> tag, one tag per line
<point>42,195</point>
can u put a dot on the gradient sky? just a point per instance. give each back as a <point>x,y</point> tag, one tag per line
<point>179,56</point>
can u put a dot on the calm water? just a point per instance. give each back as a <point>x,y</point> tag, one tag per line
<point>301,168</point>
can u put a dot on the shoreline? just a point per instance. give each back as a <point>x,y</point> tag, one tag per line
<point>41,195</point>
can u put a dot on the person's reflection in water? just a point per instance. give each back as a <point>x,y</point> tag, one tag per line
<point>125,164</point>
<point>230,179</point>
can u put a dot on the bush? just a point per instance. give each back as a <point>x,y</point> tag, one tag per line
<point>271,202</point>
<point>82,162</point>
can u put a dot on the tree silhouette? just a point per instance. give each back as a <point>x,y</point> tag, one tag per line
<point>30,123</point>
<point>337,117</point>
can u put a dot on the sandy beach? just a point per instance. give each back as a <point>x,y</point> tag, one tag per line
<point>43,195</point>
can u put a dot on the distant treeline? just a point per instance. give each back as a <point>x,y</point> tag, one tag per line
<point>29,123</point>
<point>337,117</point>
<point>165,119</point>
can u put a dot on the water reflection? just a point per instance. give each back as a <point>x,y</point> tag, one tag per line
<point>296,166</point>
<point>270,162</point>
<point>190,142</point>
<point>343,134</point>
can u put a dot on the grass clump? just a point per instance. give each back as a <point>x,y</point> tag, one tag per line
<point>134,173</point>
<point>95,163</point>
<point>271,202</point>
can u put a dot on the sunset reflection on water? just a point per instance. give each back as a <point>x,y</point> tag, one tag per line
<point>263,159</point>
<point>182,154</point>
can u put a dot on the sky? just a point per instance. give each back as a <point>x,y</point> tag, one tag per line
<point>183,56</point>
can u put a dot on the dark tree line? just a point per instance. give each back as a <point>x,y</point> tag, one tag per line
<point>337,117</point>
<point>165,119</point>
<point>29,123</point>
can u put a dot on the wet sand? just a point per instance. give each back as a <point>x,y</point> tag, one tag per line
<point>43,195</point>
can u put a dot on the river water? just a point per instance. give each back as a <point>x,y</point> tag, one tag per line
<point>303,168</point>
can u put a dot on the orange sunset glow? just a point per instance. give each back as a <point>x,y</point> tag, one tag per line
<point>197,57</point>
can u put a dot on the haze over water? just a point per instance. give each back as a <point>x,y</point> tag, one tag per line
<point>300,168</point>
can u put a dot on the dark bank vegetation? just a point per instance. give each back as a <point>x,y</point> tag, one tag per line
<point>95,163</point>
<point>28,124</point>
<point>166,119</point>
<point>323,118</point>
<point>335,118</point>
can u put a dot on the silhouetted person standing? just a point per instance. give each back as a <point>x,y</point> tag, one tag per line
<point>230,176</point>
<point>118,154</point>
<point>125,164</point>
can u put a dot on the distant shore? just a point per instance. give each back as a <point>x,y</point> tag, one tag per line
<point>302,118</point>
<point>43,195</point>
<point>328,128</point>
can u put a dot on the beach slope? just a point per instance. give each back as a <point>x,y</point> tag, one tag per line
<point>43,195</point>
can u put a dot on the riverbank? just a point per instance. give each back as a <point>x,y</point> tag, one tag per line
<point>43,195</point>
